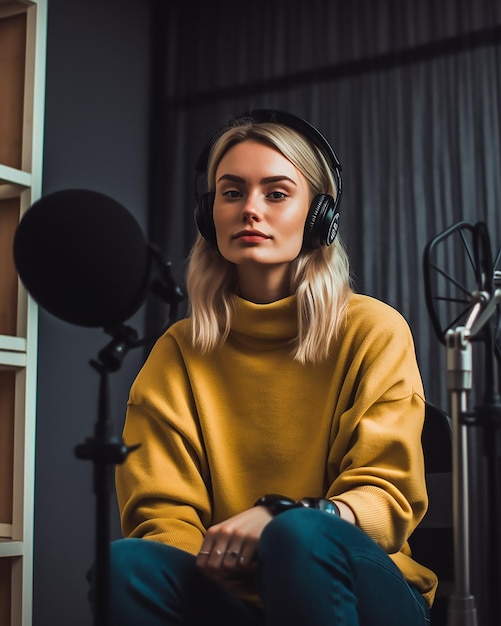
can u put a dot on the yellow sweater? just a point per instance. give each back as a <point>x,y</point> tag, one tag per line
<point>219,430</point>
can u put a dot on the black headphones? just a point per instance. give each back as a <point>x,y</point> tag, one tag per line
<point>322,222</point>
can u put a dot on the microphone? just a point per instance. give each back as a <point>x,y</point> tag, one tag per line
<point>83,257</point>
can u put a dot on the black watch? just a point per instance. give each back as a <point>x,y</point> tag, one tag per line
<point>321,504</point>
<point>277,504</point>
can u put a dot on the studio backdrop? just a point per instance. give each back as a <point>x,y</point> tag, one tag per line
<point>407,91</point>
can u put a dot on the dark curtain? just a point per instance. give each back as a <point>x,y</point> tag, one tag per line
<point>407,91</point>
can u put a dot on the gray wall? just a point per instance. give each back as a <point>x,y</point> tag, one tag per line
<point>96,137</point>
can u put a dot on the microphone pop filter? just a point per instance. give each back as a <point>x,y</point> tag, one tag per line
<point>83,257</point>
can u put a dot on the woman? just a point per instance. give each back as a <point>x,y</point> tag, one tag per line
<point>280,471</point>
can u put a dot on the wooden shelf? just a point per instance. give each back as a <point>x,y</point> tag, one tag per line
<point>23,28</point>
<point>9,175</point>
<point>12,344</point>
<point>7,410</point>
<point>11,548</point>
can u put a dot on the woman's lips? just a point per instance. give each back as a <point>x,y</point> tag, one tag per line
<point>251,236</point>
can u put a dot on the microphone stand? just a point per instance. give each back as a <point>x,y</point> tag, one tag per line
<point>104,449</point>
<point>462,610</point>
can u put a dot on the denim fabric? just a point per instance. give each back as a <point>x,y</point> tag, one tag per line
<point>313,569</point>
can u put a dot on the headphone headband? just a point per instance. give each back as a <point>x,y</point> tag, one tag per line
<point>275,116</point>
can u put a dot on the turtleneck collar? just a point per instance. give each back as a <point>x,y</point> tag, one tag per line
<point>274,321</point>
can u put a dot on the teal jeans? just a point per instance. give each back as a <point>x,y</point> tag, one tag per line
<point>313,569</point>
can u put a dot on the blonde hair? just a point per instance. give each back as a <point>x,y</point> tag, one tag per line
<point>320,278</point>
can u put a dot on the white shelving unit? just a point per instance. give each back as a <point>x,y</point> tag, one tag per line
<point>23,29</point>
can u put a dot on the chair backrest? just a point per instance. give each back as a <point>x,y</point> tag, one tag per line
<point>432,541</point>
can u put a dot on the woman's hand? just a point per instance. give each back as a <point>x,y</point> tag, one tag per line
<point>229,548</point>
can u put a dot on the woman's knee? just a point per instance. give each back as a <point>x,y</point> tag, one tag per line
<point>129,557</point>
<point>144,559</point>
<point>300,537</point>
<point>302,528</point>
<point>139,582</point>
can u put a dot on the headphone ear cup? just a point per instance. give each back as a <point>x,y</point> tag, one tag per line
<point>322,222</point>
<point>204,217</point>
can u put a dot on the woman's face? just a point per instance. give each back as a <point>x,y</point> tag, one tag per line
<point>260,206</point>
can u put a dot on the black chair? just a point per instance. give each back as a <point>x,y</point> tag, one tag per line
<point>432,541</point>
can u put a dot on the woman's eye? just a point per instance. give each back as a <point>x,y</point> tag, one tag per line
<point>277,195</point>
<point>232,193</point>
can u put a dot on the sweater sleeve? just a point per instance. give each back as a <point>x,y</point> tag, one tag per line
<point>163,488</point>
<point>376,460</point>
